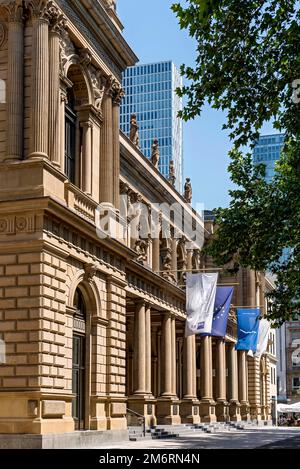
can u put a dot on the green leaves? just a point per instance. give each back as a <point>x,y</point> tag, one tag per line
<point>247,58</point>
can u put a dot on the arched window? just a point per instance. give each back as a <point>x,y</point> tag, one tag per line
<point>70,136</point>
<point>79,361</point>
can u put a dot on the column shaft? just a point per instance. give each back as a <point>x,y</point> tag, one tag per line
<point>233,373</point>
<point>242,376</point>
<point>148,350</point>
<point>155,254</point>
<point>139,349</point>
<point>116,153</point>
<point>54,105</point>
<point>106,159</point>
<point>221,369</point>
<point>189,367</point>
<point>40,88</point>
<point>174,364</point>
<point>15,90</point>
<point>166,356</point>
<point>206,369</point>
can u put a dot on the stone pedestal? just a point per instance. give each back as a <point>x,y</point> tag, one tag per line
<point>168,411</point>
<point>245,410</point>
<point>208,410</point>
<point>255,412</point>
<point>234,411</point>
<point>189,411</point>
<point>142,405</point>
<point>222,410</point>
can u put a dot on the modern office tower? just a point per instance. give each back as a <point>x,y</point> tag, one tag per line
<point>150,94</point>
<point>267,151</point>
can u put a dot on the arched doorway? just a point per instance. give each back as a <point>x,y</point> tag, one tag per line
<point>79,361</point>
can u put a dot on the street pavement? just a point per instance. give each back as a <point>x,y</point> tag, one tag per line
<point>265,438</point>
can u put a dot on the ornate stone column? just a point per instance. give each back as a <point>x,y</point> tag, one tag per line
<point>142,400</point>
<point>243,395</point>
<point>87,157</point>
<point>139,349</point>
<point>15,83</point>
<point>106,194</point>
<point>40,79</point>
<point>207,404</point>
<point>57,23</point>
<point>148,349</point>
<point>173,355</point>
<point>189,408</point>
<point>167,405</point>
<point>155,254</point>
<point>167,355</point>
<point>117,98</point>
<point>222,404</point>
<point>234,408</point>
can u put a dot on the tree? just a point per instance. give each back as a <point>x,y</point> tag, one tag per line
<point>248,63</point>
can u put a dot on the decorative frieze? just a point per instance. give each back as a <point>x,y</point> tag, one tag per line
<point>11,224</point>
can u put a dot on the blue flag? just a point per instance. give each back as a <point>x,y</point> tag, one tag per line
<point>221,311</point>
<point>248,324</point>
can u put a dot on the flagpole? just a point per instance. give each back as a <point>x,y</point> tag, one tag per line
<point>188,270</point>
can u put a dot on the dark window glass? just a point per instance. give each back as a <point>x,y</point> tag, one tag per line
<point>70,137</point>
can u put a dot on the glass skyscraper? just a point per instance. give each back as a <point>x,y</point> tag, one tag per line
<point>267,150</point>
<point>150,94</point>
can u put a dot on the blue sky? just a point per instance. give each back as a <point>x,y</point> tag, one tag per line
<point>152,30</point>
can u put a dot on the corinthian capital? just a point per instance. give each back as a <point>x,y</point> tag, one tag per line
<point>57,20</point>
<point>114,89</point>
<point>41,9</point>
<point>14,10</point>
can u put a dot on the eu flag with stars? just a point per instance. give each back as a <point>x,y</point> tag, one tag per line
<point>221,311</point>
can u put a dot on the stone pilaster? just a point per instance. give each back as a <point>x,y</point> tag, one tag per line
<point>106,194</point>
<point>234,408</point>
<point>117,98</point>
<point>57,23</point>
<point>207,404</point>
<point>15,83</point>
<point>40,80</point>
<point>243,385</point>
<point>167,404</point>
<point>222,404</point>
<point>189,408</point>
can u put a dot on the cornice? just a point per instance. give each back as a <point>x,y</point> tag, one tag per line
<point>97,21</point>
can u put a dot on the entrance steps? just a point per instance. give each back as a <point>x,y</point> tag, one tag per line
<point>155,433</point>
<point>175,431</point>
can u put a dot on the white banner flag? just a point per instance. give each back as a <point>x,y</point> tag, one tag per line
<point>263,336</point>
<point>200,300</point>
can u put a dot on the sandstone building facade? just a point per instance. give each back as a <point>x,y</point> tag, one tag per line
<point>94,326</point>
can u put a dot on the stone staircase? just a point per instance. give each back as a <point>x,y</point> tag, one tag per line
<point>183,430</point>
<point>155,433</point>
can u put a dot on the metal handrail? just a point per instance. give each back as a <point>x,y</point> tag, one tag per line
<point>142,417</point>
